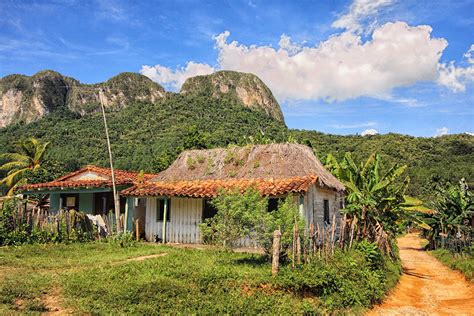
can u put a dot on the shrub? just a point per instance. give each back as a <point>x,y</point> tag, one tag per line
<point>347,280</point>
<point>190,163</point>
<point>283,218</point>
<point>236,216</point>
<point>245,214</point>
<point>123,240</point>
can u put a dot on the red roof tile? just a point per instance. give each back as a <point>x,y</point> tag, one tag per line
<point>211,188</point>
<point>122,177</point>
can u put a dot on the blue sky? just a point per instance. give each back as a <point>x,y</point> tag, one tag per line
<point>340,67</point>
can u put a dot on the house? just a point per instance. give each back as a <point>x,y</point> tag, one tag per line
<point>88,190</point>
<point>177,199</point>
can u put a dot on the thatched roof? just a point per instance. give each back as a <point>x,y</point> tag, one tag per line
<point>274,161</point>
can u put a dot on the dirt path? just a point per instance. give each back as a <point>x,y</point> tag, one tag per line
<point>427,287</point>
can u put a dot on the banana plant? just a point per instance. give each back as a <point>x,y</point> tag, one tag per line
<point>377,200</point>
<point>453,213</point>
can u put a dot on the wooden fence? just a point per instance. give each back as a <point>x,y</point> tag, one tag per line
<point>63,225</point>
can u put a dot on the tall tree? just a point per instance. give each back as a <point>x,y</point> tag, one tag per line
<point>23,164</point>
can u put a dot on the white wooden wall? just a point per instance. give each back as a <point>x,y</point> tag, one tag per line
<point>186,215</point>
<point>314,206</point>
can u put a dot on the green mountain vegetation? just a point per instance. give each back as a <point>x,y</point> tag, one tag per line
<point>150,127</point>
<point>431,161</point>
<point>27,99</point>
<point>247,88</point>
<point>144,136</point>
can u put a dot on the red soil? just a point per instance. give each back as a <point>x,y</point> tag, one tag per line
<point>427,287</point>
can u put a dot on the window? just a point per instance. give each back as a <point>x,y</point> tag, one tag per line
<point>273,204</point>
<point>69,201</point>
<point>208,210</point>
<point>160,210</point>
<point>326,212</point>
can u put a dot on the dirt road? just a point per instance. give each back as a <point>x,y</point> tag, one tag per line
<point>427,287</point>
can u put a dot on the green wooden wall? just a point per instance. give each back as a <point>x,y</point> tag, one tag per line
<point>86,202</point>
<point>54,202</point>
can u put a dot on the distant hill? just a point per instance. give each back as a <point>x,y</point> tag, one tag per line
<point>247,88</point>
<point>27,99</point>
<point>144,135</point>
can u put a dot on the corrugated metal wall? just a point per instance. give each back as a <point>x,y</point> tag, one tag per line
<point>185,216</point>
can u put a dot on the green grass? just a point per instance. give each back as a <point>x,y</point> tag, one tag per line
<point>461,262</point>
<point>97,278</point>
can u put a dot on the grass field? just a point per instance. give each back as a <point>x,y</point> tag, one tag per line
<point>463,263</point>
<point>102,278</point>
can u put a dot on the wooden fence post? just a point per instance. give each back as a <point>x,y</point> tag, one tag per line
<point>342,234</point>
<point>352,231</point>
<point>298,245</point>
<point>276,252</point>
<point>333,233</point>
<point>137,230</point>
<point>293,249</point>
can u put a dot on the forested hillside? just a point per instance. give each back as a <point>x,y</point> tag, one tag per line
<point>149,136</point>
<point>430,160</point>
<point>144,136</point>
<point>213,111</point>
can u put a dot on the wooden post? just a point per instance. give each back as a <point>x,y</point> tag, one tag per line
<point>293,249</point>
<point>317,239</point>
<point>276,252</point>
<point>137,230</point>
<point>342,235</point>
<point>352,231</point>
<point>103,100</point>
<point>333,233</point>
<point>313,239</point>
<point>163,230</point>
<point>298,245</point>
<point>305,246</point>
<point>125,220</point>
<point>323,241</point>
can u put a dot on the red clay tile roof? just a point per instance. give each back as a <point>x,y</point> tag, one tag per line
<point>122,177</point>
<point>211,188</point>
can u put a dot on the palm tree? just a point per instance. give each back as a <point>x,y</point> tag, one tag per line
<point>376,201</point>
<point>21,165</point>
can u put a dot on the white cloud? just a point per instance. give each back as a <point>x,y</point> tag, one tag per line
<point>369,132</point>
<point>468,133</point>
<point>343,66</point>
<point>456,78</point>
<point>173,79</point>
<point>441,131</point>
<point>358,13</point>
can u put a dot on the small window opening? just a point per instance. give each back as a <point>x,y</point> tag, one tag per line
<point>326,212</point>
<point>160,210</point>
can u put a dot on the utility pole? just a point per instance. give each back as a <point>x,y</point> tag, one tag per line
<point>103,101</point>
